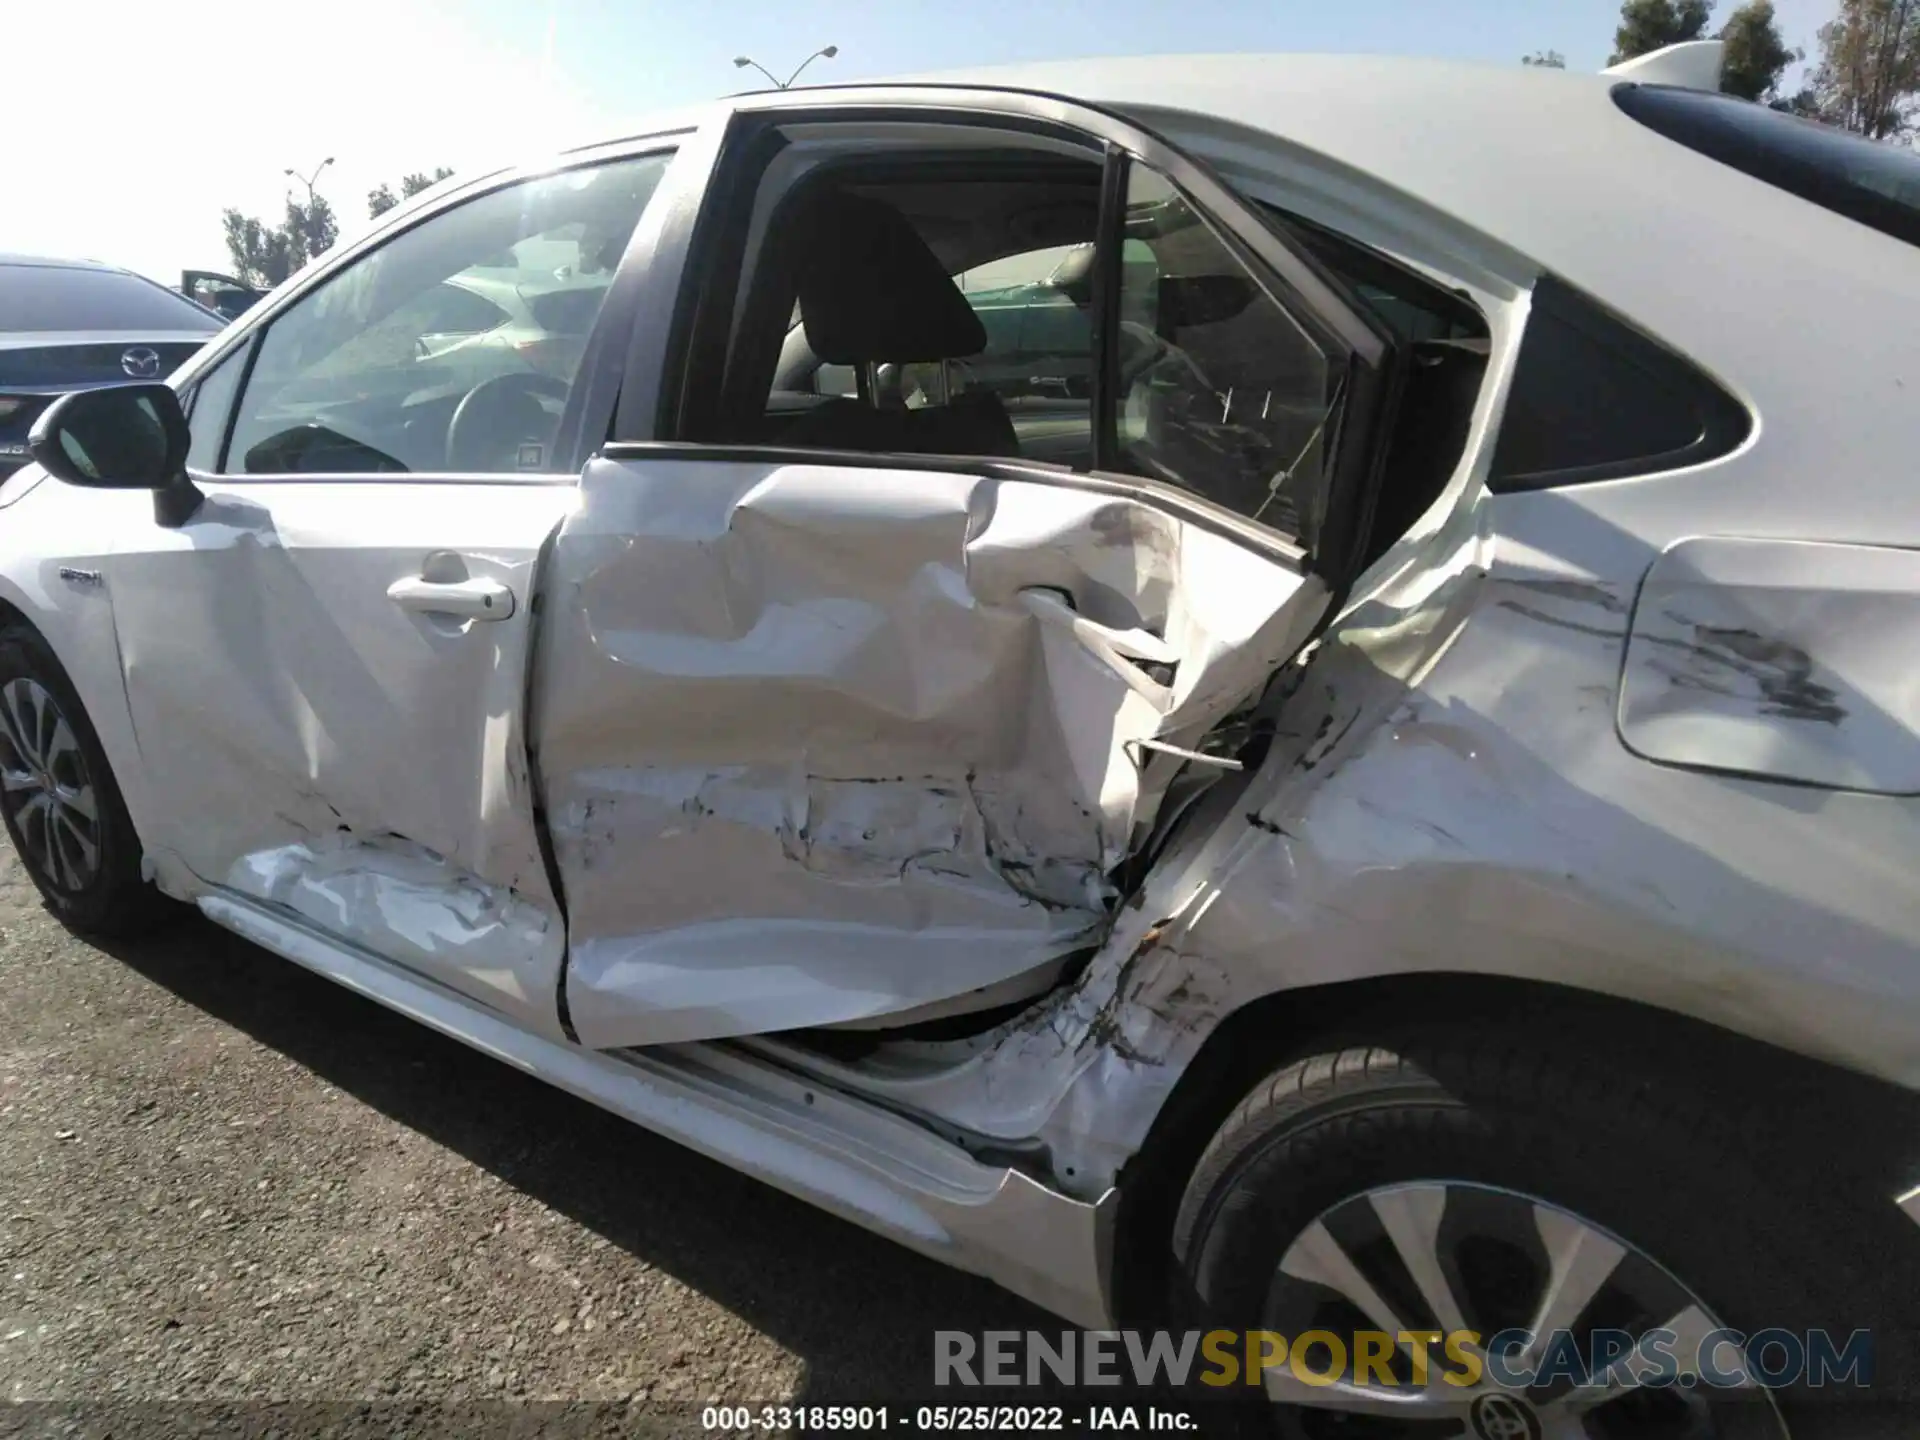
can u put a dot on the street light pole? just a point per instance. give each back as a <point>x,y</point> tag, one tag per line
<point>742,62</point>
<point>308,180</point>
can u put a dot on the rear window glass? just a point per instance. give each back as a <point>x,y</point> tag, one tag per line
<point>1595,399</point>
<point>1865,180</point>
<point>53,297</point>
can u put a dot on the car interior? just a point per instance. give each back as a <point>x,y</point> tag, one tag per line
<point>372,373</point>
<point>866,266</point>
<point>864,283</point>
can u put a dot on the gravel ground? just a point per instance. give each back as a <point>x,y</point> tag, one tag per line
<point>222,1178</point>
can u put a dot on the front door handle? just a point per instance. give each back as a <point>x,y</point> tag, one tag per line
<point>479,598</point>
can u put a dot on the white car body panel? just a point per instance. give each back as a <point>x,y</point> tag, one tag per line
<point>310,742</point>
<point>1454,791</point>
<point>820,745</point>
<point>1779,660</point>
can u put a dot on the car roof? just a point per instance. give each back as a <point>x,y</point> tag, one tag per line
<point>1472,139</point>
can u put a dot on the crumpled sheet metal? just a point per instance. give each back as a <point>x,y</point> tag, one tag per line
<point>794,717</point>
<point>420,911</point>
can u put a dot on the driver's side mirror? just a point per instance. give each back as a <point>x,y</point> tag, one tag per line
<point>122,437</point>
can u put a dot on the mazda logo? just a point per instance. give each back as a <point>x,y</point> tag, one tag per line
<point>1504,1417</point>
<point>142,362</point>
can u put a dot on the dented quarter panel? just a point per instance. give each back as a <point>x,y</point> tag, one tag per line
<point>313,745</point>
<point>1449,794</point>
<point>822,743</point>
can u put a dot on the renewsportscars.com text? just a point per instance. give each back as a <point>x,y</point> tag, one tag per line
<point>1511,1359</point>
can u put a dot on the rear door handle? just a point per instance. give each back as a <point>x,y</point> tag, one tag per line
<point>478,598</point>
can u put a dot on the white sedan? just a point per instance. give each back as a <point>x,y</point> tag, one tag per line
<point>1402,824</point>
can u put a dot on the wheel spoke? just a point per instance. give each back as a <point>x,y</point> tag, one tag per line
<point>60,742</point>
<point>1319,1259</point>
<point>46,720</point>
<point>80,848</point>
<point>1582,1259</point>
<point>62,862</point>
<point>14,723</point>
<point>1344,1396</point>
<point>80,801</point>
<point>1411,1216</point>
<point>35,819</point>
<point>13,781</point>
<point>1690,1329</point>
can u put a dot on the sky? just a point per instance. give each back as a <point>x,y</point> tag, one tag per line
<point>142,121</point>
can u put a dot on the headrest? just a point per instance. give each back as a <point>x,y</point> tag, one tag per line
<point>871,290</point>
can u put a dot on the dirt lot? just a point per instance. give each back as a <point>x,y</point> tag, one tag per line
<point>224,1178</point>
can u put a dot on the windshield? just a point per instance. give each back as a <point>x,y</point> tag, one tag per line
<point>1869,181</point>
<point>62,297</point>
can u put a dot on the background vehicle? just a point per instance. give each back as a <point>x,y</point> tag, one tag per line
<point>1399,816</point>
<point>220,293</point>
<point>69,324</point>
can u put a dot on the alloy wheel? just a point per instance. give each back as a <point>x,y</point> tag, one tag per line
<point>46,787</point>
<point>1466,1260</point>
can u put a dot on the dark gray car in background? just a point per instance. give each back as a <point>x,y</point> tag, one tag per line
<point>75,325</point>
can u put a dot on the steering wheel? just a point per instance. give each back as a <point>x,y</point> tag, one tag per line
<point>500,423</point>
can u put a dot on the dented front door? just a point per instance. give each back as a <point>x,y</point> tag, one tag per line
<point>326,680</point>
<point>821,742</point>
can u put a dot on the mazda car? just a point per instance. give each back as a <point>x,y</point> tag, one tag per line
<point>75,324</point>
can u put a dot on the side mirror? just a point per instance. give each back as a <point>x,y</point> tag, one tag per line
<point>122,437</point>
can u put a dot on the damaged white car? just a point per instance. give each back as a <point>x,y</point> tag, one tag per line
<point>1377,797</point>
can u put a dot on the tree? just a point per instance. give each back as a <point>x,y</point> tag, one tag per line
<point>311,228</point>
<point>256,253</point>
<point>264,255</point>
<point>381,198</point>
<point>1756,57</point>
<point>1869,71</point>
<point>1647,25</point>
<point>1545,59</point>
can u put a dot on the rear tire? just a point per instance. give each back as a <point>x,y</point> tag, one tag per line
<point>1347,1157</point>
<point>62,808</point>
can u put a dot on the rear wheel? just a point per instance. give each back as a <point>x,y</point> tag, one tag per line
<point>1362,1195</point>
<point>62,809</point>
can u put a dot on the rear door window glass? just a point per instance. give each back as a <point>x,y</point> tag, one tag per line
<point>1220,389</point>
